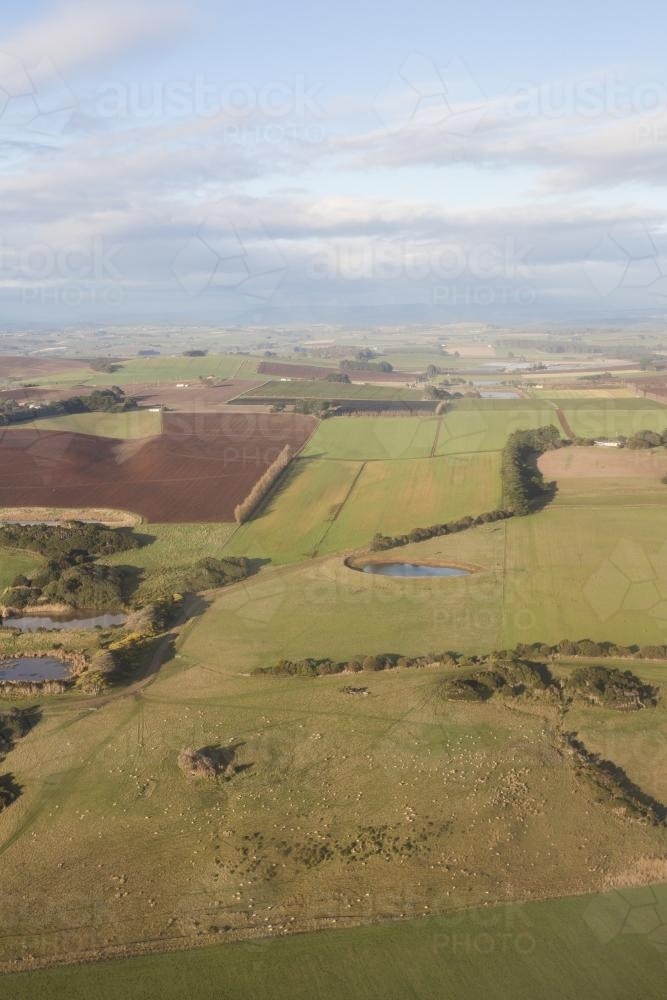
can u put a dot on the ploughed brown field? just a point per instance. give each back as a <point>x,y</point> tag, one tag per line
<point>15,366</point>
<point>43,394</point>
<point>285,370</point>
<point>193,397</point>
<point>198,469</point>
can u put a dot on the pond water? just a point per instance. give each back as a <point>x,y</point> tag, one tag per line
<point>30,623</point>
<point>412,570</point>
<point>33,668</point>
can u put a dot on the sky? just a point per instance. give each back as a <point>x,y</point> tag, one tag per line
<point>199,162</point>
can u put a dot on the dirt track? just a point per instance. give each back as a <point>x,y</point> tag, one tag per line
<point>198,469</point>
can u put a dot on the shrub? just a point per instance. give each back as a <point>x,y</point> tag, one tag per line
<point>609,687</point>
<point>373,663</point>
<point>197,763</point>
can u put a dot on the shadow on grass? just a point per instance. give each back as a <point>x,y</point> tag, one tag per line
<point>224,758</point>
<point>10,790</point>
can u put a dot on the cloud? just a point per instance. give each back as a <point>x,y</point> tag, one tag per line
<point>81,35</point>
<point>573,152</point>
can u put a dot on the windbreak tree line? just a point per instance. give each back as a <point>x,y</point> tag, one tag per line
<point>522,482</point>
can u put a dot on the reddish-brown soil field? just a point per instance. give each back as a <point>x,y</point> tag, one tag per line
<point>196,398</point>
<point>14,366</point>
<point>285,370</point>
<point>198,469</point>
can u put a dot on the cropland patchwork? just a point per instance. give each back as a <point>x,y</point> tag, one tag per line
<point>448,786</point>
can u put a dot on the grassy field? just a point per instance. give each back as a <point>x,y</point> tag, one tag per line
<point>175,544</point>
<point>566,572</point>
<point>334,505</point>
<point>330,390</point>
<point>501,952</point>
<point>161,369</point>
<point>470,425</point>
<point>366,438</point>
<point>587,571</point>
<point>393,497</point>
<point>349,611</point>
<point>12,563</point>
<point>132,424</point>
<point>291,524</point>
<point>471,804</point>
<point>485,424</point>
<point>65,378</point>
<point>609,418</point>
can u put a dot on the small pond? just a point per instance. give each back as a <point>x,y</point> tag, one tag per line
<point>34,668</point>
<point>31,623</point>
<point>411,570</point>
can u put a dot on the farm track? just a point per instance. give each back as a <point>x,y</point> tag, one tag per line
<point>565,423</point>
<point>434,447</point>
